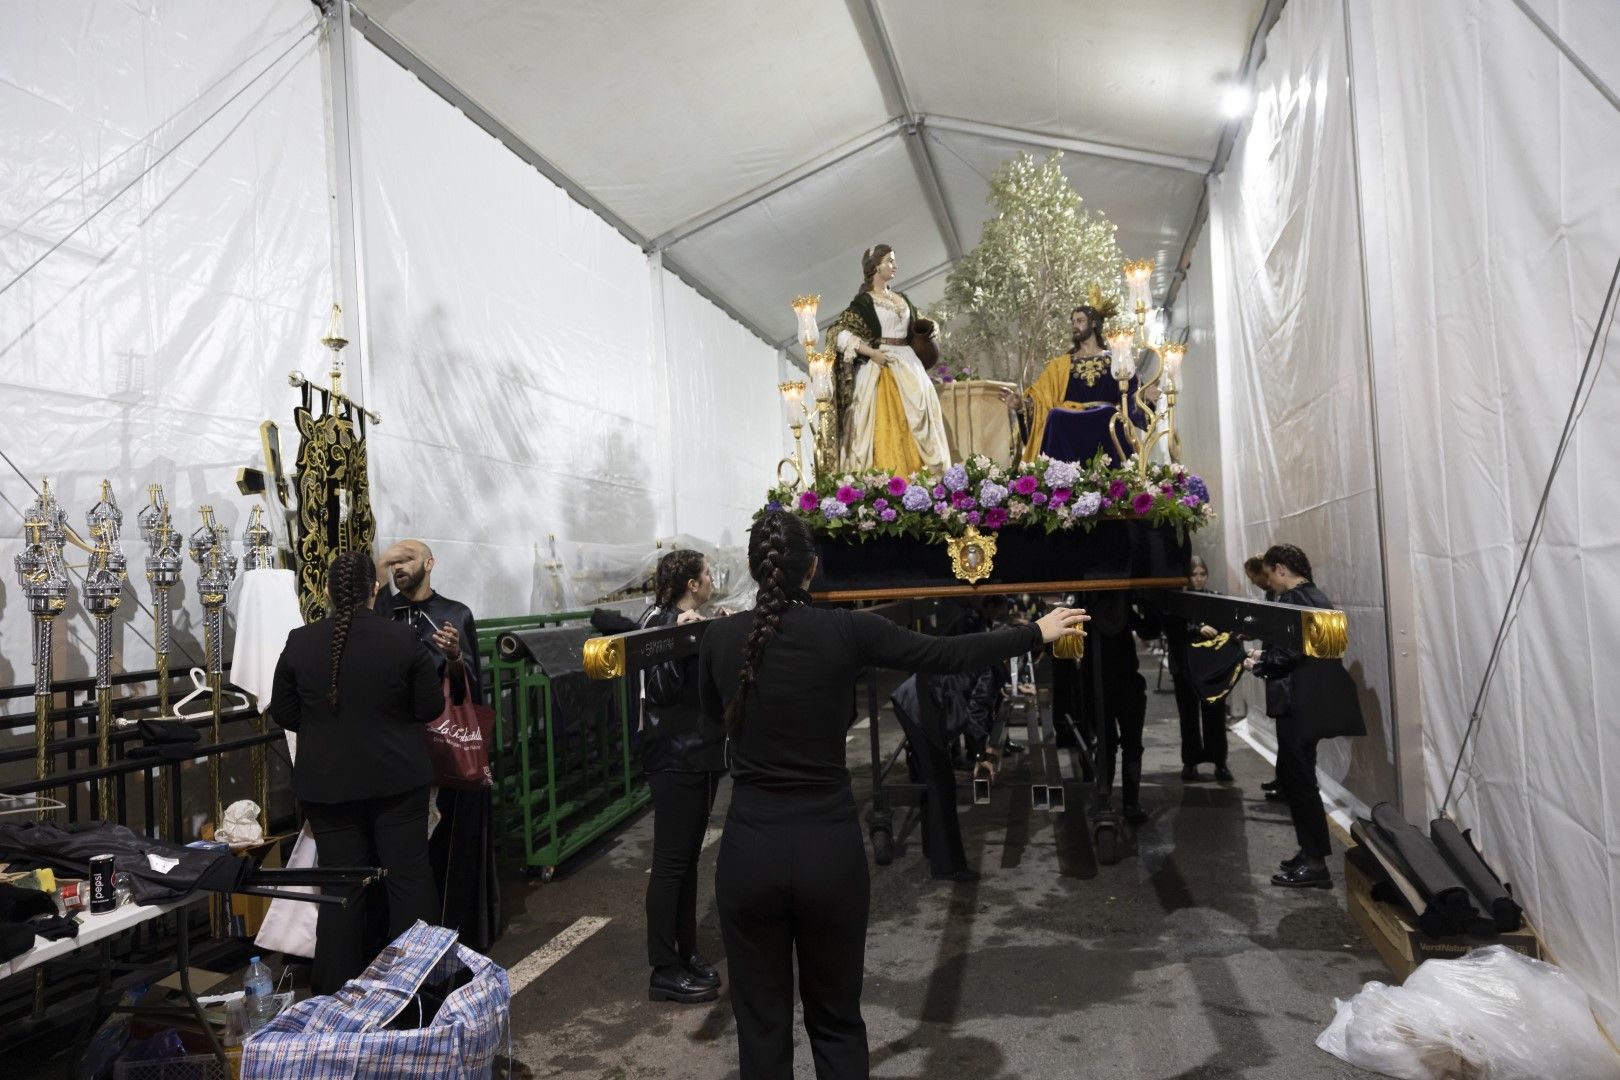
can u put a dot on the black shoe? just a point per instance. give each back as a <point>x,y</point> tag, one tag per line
<point>956,875</point>
<point>1292,861</point>
<point>1010,748</point>
<point>1274,795</point>
<point>701,970</point>
<point>1301,876</point>
<point>1189,773</point>
<point>1223,774</point>
<point>1136,815</point>
<point>678,984</point>
<point>1269,786</point>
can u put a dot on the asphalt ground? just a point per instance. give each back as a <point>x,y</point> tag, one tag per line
<point>1180,961</point>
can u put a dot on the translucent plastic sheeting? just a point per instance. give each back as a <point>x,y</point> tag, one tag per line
<point>539,380</point>
<point>1491,173</point>
<point>150,344</point>
<point>1198,417</point>
<point>1296,420</point>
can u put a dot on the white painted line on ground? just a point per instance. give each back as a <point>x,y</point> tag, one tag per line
<point>531,967</point>
<point>710,835</point>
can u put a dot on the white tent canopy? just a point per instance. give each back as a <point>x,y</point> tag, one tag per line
<point>762,147</point>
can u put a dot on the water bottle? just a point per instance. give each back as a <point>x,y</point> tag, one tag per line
<point>257,991</point>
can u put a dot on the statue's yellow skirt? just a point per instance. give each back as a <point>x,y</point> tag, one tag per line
<point>894,447</point>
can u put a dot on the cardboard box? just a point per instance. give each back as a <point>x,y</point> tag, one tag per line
<point>1400,944</point>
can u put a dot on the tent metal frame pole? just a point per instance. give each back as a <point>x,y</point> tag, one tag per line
<point>869,24</point>
<point>1043,141</point>
<point>1569,54</point>
<point>821,162</point>
<point>344,168</point>
<point>430,76</point>
<point>1251,63</point>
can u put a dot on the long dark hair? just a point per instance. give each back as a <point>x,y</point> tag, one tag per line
<point>1095,319</point>
<point>1290,556</point>
<point>348,583</point>
<point>674,571</point>
<point>780,551</point>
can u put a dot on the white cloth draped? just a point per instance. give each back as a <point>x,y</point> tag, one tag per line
<point>916,394</point>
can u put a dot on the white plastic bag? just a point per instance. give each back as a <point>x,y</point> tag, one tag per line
<point>1491,1015</point>
<point>289,925</point>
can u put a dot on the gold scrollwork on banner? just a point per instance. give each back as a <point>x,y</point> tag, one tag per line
<point>1326,633</point>
<point>973,555</point>
<point>334,501</point>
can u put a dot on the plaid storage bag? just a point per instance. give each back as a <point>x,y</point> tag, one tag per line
<point>346,1035</point>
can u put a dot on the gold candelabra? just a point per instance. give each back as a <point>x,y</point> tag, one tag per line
<point>793,397</point>
<point>1153,400</point>
<point>824,419</point>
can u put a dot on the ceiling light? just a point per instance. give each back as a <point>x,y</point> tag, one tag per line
<point>1236,101</point>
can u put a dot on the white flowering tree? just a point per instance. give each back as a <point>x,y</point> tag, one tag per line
<point>1007,303</point>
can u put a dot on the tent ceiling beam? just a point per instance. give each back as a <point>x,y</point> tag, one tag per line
<point>434,80</point>
<point>869,24</point>
<point>1251,62</point>
<point>1003,133</point>
<point>843,152</point>
<point>1569,54</point>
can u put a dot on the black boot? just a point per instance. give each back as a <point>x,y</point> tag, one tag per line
<point>1189,773</point>
<point>678,984</point>
<point>1130,782</point>
<point>701,970</point>
<point>1223,774</point>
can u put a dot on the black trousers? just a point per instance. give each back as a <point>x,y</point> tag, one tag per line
<point>793,881</point>
<point>1203,724</point>
<point>681,803</point>
<point>1296,778</point>
<point>390,832</point>
<point>930,764</point>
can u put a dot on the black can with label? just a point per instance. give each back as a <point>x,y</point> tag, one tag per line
<point>103,891</point>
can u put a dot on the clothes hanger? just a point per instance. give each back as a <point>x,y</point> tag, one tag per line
<point>199,683</point>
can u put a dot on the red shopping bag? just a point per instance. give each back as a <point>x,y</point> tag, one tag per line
<point>458,743</point>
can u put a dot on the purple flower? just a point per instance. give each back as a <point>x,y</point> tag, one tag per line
<point>1039,498</point>
<point>772,507</point>
<point>991,493</point>
<point>1167,488</point>
<point>939,491</point>
<point>834,510</point>
<point>1061,474</point>
<point>808,501</point>
<point>1143,502</point>
<point>1116,490</point>
<point>897,485</point>
<point>973,518</point>
<point>1087,504</point>
<point>955,478</point>
<point>1061,496</point>
<point>1190,501</point>
<point>1026,484</point>
<point>942,508</point>
<point>1195,486</point>
<point>946,378</point>
<point>880,504</point>
<point>888,515</point>
<point>916,498</point>
<point>995,519</point>
<point>847,495</point>
<point>962,501</point>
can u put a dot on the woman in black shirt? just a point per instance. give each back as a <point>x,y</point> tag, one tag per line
<point>792,877</point>
<point>684,753</point>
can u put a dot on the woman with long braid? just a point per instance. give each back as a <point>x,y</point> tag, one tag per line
<point>792,876</point>
<point>358,688</point>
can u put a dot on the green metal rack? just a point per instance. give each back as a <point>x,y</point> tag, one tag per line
<point>560,782</point>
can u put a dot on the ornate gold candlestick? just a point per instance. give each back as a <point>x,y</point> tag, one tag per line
<point>163,563</point>
<point>211,550</point>
<point>103,594</point>
<point>793,398</point>
<point>42,574</point>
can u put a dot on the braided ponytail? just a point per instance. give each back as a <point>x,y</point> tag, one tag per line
<point>674,570</point>
<point>780,550</point>
<point>348,582</point>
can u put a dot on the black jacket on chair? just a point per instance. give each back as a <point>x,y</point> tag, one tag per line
<point>387,689</point>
